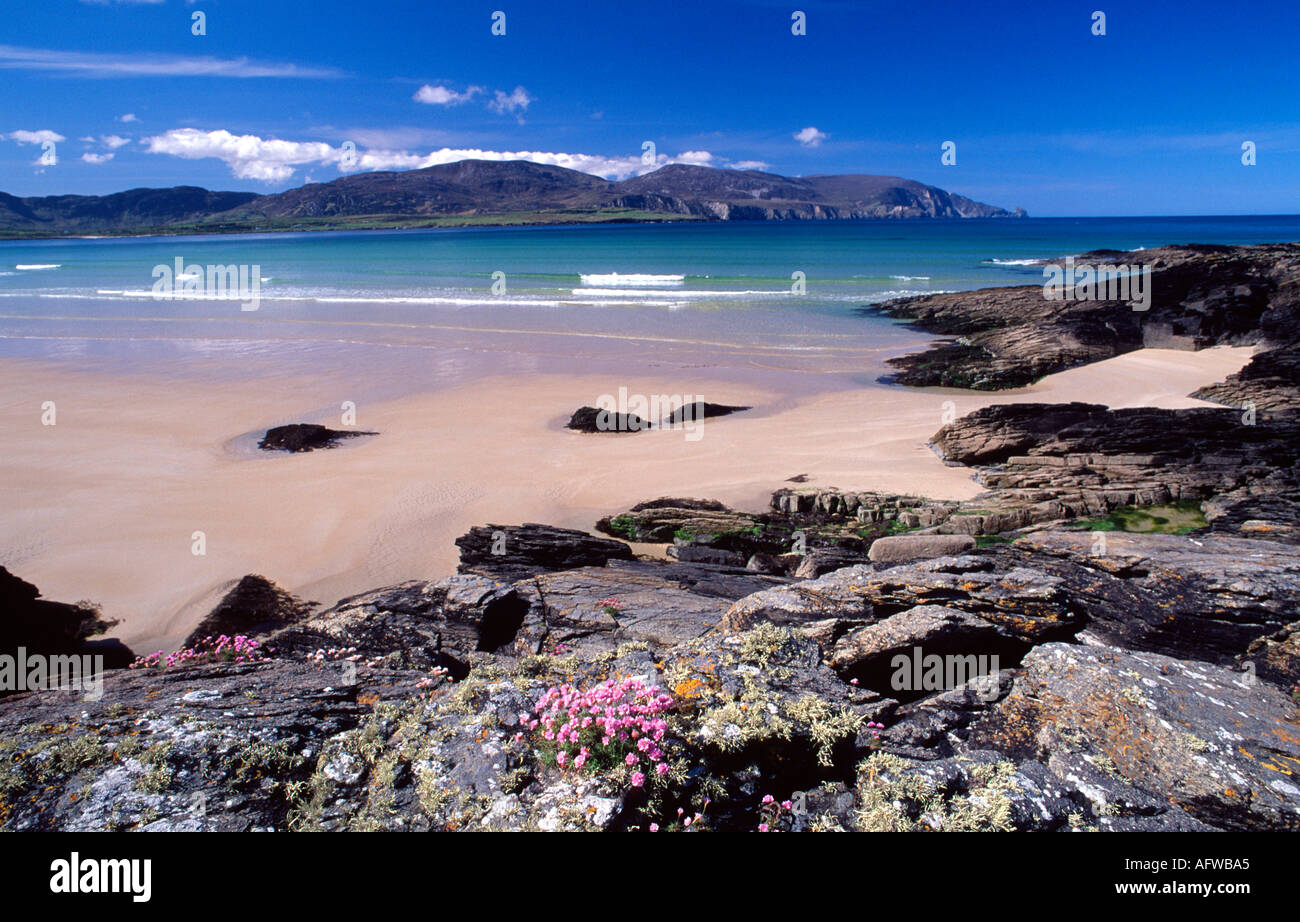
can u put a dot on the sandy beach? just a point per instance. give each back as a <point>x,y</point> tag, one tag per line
<point>104,504</point>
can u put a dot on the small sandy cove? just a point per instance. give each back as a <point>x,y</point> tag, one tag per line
<point>103,505</point>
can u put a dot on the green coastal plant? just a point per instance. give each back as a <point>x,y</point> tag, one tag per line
<point>624,526</point>
<point>1172,519</point>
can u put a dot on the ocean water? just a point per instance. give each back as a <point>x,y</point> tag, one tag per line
<point>393,304</point>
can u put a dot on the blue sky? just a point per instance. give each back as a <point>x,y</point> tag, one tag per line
<point>1148,119</point>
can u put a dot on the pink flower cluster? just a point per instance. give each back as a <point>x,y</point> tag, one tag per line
<point>773,815</point>
<point>237,649</point>
<point>611,606</point>
<point>619,722</point>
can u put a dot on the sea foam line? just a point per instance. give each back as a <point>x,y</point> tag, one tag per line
<point>613,279</point>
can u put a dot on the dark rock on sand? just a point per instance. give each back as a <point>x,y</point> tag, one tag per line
<point>305,437</point>
<point>590,419</point>
<point>700,410</point>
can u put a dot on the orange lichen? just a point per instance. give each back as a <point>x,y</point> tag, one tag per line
<point>689,689</point>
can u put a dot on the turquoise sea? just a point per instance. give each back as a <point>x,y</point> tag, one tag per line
<point>392,304</point>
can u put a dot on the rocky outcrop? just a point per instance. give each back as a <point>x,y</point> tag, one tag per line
<point>46,628</point>
<point>1047,463</point>
<point>1029,603</point>
<point>1219,748</point>
<point>305,437</point>
<point>254,606</point>
<point>1270,382</point>
<point>417,625</point>
<point>686,520</point>
<point>696,553</point>
<point>1200,296</point>
<point>513,552</point>
<point>1276,658</point>
<point>1200,598</point>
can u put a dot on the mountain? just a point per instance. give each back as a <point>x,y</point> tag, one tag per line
<point>487,192</point>
<point>135,208</point>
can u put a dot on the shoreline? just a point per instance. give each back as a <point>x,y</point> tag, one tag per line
<point>380,510</point>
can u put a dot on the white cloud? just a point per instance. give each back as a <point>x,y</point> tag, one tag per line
<point>516,101</point>
<point>810,137</point>
<point>93,64</point>
<point>750,165</point>
<point>271,160</point>
<point>248,156</point>
<point>35,137</point>
<point>97,158</point>
<point>445,96</point>
<point>128,117</point>
<point>114,141</point>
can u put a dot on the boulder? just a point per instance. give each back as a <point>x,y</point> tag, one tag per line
<point>666,519</point>
<point>600,608</point>
<point>820,560</point>
<point>413,625</point>
<point>697,553</point>
<point>898,548</point>
<point>512,552</point>
<point>882,655</point>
